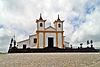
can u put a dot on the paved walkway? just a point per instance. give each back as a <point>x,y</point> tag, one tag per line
<point>50,60</point>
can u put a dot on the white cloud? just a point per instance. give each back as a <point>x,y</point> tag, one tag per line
<point>19,17</point>
<point>89,30</point>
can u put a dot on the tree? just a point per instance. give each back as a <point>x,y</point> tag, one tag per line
<point>88,43</point>
<point>14,43</point>
<point>91,42</point>
<point>10,46</point>
<point>11,40</point>
<point>11,43</point>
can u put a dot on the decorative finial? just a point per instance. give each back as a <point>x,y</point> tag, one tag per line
<point>40,16</point>
<point>58,17</point>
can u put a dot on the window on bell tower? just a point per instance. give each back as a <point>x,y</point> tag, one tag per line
<point>41,24</point>
<point>59,25</point>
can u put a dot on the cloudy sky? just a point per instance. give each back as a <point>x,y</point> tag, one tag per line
<point>81,19</point>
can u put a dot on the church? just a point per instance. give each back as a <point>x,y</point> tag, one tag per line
<point>52,36</point>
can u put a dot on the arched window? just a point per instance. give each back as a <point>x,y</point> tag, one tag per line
<point>59,25</point>
<point>41,24</point>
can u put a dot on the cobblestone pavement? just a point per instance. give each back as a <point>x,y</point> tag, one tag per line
<point>50,60</point>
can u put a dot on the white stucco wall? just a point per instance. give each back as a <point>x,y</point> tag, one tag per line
<point>20,44</point>
<point>60,40</point>
<point>55,25</point>
<point>31,41</point>
<point>50,35</point>
<point>41,40</point>
<point>40,28</point>
<point>61,26</point>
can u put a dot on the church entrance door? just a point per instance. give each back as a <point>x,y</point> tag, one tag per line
<point>50,41</point>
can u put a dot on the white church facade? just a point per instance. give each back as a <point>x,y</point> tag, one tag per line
<point>46,37</point>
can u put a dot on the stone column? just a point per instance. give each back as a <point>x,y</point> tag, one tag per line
<point>44,39</point>
<point>56,39</point>
<point>62,41</point>
<point>37,39</point>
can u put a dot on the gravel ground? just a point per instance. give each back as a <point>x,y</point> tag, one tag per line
<point>50,60</point>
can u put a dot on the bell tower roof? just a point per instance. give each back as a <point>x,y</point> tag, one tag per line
<point>40,19</point>
<point>58,20</point>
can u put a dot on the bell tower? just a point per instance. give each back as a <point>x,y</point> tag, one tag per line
<point>58,24</point>
<point>40,23</point>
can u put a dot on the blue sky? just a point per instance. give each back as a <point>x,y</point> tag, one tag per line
<point>81,19</point>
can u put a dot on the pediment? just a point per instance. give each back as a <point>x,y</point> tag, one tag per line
<point>50,28</point>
